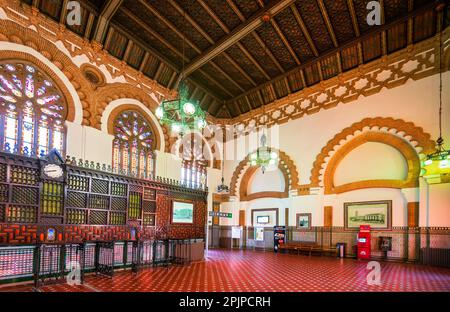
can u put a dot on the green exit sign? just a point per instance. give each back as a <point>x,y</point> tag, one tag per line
<point>220,214</point>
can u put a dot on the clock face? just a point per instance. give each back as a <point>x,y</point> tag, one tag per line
<point>53,171</point>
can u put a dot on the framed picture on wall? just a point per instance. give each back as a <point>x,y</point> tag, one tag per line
<point>259,234</point>
<point>303,221</point>
<point>182,212</point>
<point>377,214</point>
<point>263,219</point>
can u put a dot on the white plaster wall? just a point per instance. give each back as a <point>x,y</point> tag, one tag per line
<point>89,144</point>
<point>272,180</point>
<point>302,140</point>
<point>371,161</point>
<point>434,207</point>
<point>266,203</point>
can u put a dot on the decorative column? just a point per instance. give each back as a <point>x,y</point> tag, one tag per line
<point>328,216</point>
<point>413,231</point>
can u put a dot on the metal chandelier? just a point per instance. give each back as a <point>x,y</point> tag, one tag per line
<point>439,161</point>
<point>182,114</point>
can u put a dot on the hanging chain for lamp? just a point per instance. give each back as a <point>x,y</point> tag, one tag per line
<point>439,161</point>
<point>223,188</point>
<point>264,156</point>
<point>182,114</point>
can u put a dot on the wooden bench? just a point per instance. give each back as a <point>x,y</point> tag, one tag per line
<point>308,248</point>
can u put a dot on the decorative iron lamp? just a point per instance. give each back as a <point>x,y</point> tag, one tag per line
<point>223,188</point>
<point>438,162</point>
<point>181,114</point>
<point>264,156</point>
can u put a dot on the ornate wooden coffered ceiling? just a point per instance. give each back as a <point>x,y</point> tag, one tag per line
<point>234,61</point>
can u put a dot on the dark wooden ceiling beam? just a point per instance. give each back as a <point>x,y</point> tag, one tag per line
<point>224,27</point>
<point>239,68</point>
<point>327,20</point>
<point>158,71</point>
<point>152,32</point>
<point>191,21</point>
<point>236,10</point>
<point>217,83</point>
<point>252,59</point>
<point>89,24</point>
<point>202,101</point>
<point>234,104</point>
<point>285,41</point>
<point>144,45</point>
<point>351,8</point>
<point>346,45</point>
<point>213,15</point>
<point>62,16</point>
<point>109,9</point>
<point>194,93</point>
<point>172,79</point>
<point>383,33</point>
<point>269,53</point>
<point>410,27</point>
<point>144,61</point>
<point>169,24</point>
<point>161,58</point>
<point>304,29</point>
<point>237,34</point>
<point>250,107</point>
<point>219,69</point>
<point>282,36</point>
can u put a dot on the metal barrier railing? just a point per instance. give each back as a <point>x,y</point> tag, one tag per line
<point>52,263</point>
<point>163,253</point>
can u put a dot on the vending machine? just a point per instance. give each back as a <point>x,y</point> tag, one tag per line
<point>279,237</point>
<point>364,242</point>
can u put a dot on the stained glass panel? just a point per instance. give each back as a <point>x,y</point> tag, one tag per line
<point>34,111</point>
<point>133,144</point>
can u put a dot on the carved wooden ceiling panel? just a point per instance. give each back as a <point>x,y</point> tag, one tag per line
<point>235,62</point>
<point>341,19</point>
<point>294,35</point>
<point>310,12</point>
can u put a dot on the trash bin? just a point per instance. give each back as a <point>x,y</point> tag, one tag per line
<point>340,250</point>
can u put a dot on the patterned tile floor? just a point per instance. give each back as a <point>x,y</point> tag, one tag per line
<point>238,271</point>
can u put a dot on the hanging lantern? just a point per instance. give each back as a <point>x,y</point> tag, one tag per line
<point>437,163</point>
<point>264,156</point>
<point>181,114</point>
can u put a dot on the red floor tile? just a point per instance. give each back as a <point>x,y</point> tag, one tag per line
<point>240,271</point>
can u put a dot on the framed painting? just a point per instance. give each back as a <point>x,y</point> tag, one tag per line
<point>303,221</point>
<point>182,212</point>
<point>262,219</point>
<point>377,214</point>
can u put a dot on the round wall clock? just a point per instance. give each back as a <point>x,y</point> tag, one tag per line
<point>53,171</point>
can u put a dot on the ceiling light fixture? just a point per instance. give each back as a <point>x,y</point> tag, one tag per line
<point>439,161</point>
<point>264,156</point>
<point>182,114</point>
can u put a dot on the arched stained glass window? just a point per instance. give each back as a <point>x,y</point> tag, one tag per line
<point>133,145</point>
<point>32,111</point>
<point>193,169</point>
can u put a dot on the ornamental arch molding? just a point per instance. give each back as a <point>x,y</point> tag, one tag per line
<point>23,43</point>
<point>411,141</point>
<point>243,173</point>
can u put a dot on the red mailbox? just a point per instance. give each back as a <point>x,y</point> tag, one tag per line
<point>364,242</point>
